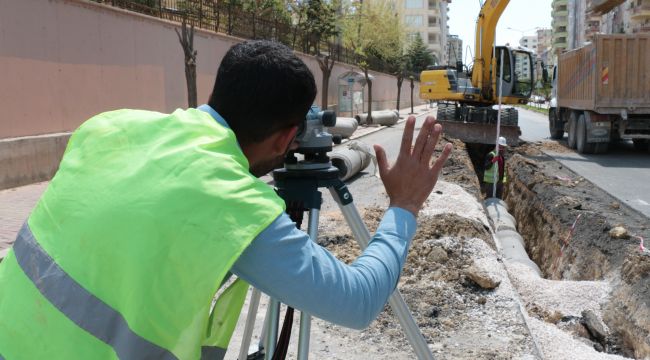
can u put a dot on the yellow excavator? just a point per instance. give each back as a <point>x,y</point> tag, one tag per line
<point>466,94</point>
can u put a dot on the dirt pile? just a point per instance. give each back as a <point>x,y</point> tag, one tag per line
<point>548,200</point>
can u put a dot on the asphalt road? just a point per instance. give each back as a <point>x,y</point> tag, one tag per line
<point>623,172</point>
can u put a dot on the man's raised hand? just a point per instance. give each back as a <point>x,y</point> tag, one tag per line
<point>411,179</point>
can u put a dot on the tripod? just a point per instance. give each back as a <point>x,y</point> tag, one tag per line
<point>299,189</point>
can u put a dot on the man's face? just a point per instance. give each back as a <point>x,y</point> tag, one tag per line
<point>502,149</point>
<point>272,161</point>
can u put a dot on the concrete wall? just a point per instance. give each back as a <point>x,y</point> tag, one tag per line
<point>63,61</point>
<point>30,159</point>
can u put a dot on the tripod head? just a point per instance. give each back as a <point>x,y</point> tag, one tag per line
<point>314,141</point>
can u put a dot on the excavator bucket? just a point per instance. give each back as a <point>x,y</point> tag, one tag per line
<point>479,133</point>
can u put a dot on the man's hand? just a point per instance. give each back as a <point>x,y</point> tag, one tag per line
<point>494,159</point>
<point>412,178</point>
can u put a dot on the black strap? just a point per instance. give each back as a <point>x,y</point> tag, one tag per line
<point>285,335</point>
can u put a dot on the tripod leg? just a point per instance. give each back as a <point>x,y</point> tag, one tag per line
<point>250,324</point>
<point>396,301</point>
<point>305,318</point>
<point>272,319</point>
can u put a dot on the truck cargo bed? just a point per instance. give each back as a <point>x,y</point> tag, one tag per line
<point>608,76</point>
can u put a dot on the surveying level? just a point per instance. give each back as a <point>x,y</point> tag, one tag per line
<point>298,184</point>
<point>314,142</point>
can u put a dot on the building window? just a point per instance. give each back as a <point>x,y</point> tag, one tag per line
<point>433,38</point>
<point>414,4</point>
<point>433,5</point>
<point>433,21</point>
<point>412,36</point>
<point>413,20</point>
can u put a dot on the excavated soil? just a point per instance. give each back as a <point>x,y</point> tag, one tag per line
<point>547,199</point>
<point>590,279</point>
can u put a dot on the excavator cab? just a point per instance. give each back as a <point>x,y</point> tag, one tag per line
<point>517,74</point>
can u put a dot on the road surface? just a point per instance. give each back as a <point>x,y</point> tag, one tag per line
<point>623,172</point>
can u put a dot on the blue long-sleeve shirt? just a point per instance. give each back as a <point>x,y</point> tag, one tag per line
<point>285,263</point>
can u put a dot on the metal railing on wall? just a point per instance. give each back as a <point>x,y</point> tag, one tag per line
<point>229,17</point>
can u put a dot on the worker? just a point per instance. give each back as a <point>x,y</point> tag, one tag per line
<point>150,213</point>
<point>495,163</point>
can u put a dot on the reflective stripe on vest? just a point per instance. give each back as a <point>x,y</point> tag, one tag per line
<point>80,306</point>
<point>104,322</point>
<point>488,175</point>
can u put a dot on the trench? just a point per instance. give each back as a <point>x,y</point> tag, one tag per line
<point>546,200</point>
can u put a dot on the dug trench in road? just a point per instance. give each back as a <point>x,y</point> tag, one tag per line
<point>605,248</point>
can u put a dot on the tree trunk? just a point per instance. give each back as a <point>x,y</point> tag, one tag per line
<point>369,82</point>
<point>326,65</point>
<point>412,86</point>
<point>186,38</point>
<point>400,80</point>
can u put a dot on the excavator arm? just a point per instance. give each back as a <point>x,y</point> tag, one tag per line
<point>484,62</point>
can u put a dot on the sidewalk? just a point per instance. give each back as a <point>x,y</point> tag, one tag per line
<point>17,203</point>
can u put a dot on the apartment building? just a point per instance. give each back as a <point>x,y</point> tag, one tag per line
<point>560,26</point>
<point>454,49</point>
<point>429,19</point>
<point>576,22</point>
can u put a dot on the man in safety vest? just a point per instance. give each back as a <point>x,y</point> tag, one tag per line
<point>495,170</point>
<point>149,213</point>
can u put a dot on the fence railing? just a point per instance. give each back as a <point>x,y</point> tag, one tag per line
<point>228,18</point>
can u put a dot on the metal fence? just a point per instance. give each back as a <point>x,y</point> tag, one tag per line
<point>229,18</point>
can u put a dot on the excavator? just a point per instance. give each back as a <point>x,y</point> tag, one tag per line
<point>466,94</point>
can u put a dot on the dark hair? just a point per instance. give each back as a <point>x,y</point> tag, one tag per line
<point>262,87</point>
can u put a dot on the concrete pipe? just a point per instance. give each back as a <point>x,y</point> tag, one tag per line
<point>351,159</point>
<point>380,117</point>
<point>344,127</point>
<point>510,242</point>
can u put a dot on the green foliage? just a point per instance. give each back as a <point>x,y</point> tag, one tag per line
<point>374,31</point>
<point>317,20</point>
<point>419,56</point>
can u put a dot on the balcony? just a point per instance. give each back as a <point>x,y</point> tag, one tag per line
<point>601,7</point>
<point>641,12</point>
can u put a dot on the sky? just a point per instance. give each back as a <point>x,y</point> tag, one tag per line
<point>522,15</point>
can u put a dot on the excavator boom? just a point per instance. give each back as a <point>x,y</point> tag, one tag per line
<point>484,62</point>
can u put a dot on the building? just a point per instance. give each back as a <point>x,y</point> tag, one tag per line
<point>529,42</point>
<point>576,22</point>
<point>639,13</point>
<point>429,19</point>
<point>454,49</point>
<point>545,45</point>
<point>560,25</point>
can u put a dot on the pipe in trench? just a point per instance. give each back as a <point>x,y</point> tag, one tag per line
<point>510,242</point>
<point>344,127</point>
<point>351,159</point>
<point>381,117</point>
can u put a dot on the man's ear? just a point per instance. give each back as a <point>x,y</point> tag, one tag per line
<point>284,138</point>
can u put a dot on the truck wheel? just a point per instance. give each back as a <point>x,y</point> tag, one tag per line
<point>641,144</point>
<point>582,145</point>
<point>571,140</point>
<point>601,148</point>
<point>557,132</point>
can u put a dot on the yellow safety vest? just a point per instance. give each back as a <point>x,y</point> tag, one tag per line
<point>124,252</point>
<point>488,175</point>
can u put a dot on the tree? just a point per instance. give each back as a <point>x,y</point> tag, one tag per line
<point>398,66</point>
<point>419,56</point>
<point>186,38</point>
<point>320,22</point>
<point>374,32</point>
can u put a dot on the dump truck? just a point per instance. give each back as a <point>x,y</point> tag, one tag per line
<point>466,94</point>
<point>601,93</point>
